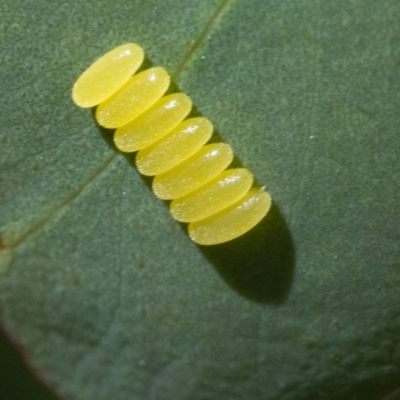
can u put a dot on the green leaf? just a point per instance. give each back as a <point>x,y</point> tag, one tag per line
<point>106,293</point>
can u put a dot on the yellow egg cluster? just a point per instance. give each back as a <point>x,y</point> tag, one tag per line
<point>218,203</point>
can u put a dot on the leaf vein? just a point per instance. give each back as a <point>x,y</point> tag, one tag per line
<point>196,44</point>
<point>75,194</point>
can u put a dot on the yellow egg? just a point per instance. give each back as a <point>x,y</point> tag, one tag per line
<point>232,222</point>
<point>196,171</point>
<point>153,124</point>
<point>228,187</point>
<point>181,143</point>
<point>108,74</point>
<point>134,98</point>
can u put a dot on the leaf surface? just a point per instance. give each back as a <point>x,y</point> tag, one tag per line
<point>106,293</point>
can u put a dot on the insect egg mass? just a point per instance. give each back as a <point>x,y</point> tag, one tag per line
<point>218,202</point>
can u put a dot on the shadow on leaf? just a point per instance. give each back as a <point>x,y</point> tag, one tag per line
<point>258,265</point>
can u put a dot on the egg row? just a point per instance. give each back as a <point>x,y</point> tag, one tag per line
<point>219,204</point>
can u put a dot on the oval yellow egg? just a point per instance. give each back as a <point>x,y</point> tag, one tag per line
<point>196,171</point>
<point>134,98</point>
<point>181,143</point>
<point>232,222</point>
<point>228,187</point>
<point>108,74</point>
<point>153,124</point>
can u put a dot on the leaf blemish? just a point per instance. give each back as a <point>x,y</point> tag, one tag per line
<point>141,264</point>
